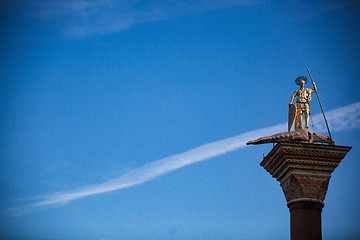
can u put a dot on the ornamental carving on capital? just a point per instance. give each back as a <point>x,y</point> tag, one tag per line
<point>295,187</point>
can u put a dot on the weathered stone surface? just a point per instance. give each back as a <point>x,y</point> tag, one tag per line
<point>303,169</point>
<point>305,219</point>
<point>301,135</point>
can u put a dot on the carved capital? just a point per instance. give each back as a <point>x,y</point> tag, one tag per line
<point>303,169</point>
<point>297,186</point>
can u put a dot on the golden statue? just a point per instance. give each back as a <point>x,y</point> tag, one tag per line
<point>302,103</point>
<point>296,112</point>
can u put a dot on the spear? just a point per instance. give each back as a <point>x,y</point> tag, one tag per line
<point>317,94</point>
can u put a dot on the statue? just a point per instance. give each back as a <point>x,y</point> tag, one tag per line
<point>296,112</point>
<point>302,103</point>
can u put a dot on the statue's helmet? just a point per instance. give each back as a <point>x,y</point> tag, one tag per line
<point>299,79</point>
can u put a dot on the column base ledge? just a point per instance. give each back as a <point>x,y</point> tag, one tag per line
<point>305,203</point>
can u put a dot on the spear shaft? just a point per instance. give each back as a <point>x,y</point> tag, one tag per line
<point>317,94</point>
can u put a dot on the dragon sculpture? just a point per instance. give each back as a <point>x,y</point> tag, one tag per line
<point>301,135</point>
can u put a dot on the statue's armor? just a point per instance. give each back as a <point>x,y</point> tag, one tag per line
<point>302,101</point>
<point>302,106</point>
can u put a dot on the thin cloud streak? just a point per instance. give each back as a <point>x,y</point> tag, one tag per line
<point>344,118</point>
<point>79,19</point>
<point>84,18</point>
<point>340,119</point>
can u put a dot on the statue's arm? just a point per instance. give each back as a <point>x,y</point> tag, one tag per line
<point>293,97</point>
<point>314,88</point>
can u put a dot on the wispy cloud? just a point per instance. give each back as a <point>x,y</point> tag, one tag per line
<point>82,18</point>
<point>344,118</point>
<point>76,19</point>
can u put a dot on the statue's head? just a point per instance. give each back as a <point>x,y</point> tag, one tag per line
<point>301,81</point>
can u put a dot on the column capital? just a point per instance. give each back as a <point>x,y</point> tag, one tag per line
<point>303,169</point>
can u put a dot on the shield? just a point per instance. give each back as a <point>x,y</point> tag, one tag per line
<point>292,115</point>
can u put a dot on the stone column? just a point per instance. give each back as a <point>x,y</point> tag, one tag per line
<point>304,171</point>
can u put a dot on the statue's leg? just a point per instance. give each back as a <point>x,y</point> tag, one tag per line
<point>297,120</point>
<point>306,120</point>
<point>300,117</point>
<point>307,117</point>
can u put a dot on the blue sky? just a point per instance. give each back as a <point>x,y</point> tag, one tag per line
<point>127,119</point>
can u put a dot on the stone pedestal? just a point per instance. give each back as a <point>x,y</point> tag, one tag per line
<point>304,171</point>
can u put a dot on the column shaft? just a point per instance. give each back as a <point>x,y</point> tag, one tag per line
<point>305,219</point>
